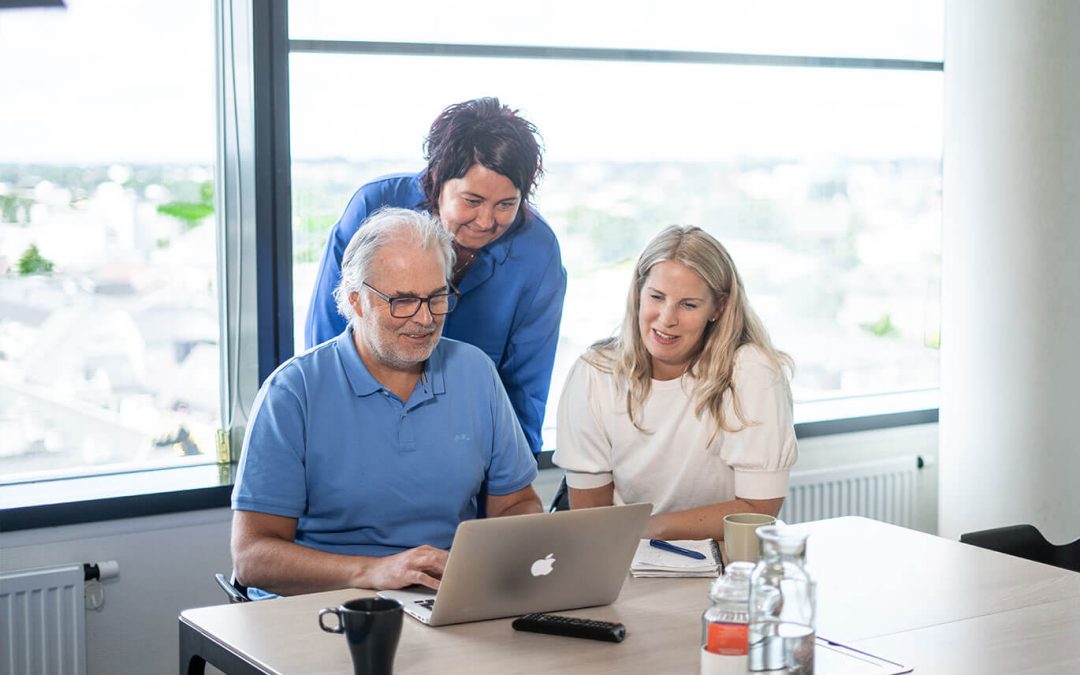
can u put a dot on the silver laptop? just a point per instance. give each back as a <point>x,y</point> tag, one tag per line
<point>542,562</point>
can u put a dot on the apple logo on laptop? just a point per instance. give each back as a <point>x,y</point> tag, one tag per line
<point>543,566</point>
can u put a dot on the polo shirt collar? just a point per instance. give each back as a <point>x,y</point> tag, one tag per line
<point>361,380</point>
<point>434,369</point>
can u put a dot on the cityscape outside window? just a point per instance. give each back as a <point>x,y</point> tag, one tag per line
<point>108,271</point>
<point>825,184</point>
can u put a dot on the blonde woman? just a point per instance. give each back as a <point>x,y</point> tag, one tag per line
<point>689,407</point>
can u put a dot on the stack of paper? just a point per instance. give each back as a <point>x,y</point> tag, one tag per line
<point>650,561</point>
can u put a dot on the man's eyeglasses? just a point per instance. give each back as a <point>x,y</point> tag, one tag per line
<point>406,306</point>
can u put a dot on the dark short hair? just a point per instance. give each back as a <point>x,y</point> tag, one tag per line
<point>486,132</point>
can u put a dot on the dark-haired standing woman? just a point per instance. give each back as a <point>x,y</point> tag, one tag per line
<point>484,161</point>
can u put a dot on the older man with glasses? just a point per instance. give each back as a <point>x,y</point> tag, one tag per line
<point>363,454</point>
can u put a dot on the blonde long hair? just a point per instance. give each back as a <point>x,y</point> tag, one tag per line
<point>712,367</point>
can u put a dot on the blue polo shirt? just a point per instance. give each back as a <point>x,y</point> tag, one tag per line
<point>366,473</point>
<point>511,298</point>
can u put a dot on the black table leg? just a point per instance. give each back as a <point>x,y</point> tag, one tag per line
<point>197,649</point>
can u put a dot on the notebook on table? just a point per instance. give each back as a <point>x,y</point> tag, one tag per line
<point>650,561</point>
<point>543,562</point>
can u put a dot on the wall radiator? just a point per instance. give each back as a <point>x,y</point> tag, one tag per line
<point>43,622</point>
<point>884,490</point>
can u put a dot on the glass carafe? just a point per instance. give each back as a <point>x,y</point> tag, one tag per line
<point>782,605</point>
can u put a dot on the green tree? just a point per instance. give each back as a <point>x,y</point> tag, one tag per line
<point>191,213</point>
<point>8,209</point>
<point>32,262</point>
<point>883,327</point>
<point>10,205</point>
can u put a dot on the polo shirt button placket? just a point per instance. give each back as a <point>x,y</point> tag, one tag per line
<point>406,442</point>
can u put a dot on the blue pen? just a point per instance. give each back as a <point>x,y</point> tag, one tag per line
<point>661,544</point>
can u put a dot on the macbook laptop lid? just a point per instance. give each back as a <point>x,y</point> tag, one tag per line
<point>540,562</point>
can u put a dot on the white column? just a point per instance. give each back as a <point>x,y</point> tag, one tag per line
<point>1010,339</point>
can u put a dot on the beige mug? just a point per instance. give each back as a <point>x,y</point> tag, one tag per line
<point>740,535</point>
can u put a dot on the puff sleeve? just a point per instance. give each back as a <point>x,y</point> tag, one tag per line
<point>583,446</point>
<point>761,454</point>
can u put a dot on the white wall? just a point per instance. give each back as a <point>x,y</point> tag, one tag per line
<point>1011,267</point>
<point>166,565</point>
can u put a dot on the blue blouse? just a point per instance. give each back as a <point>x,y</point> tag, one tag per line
<point>511,298</point>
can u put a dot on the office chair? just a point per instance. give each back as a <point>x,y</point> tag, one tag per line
<point>561,500</point>
<point>236,591</point>
<point>1025,541</point>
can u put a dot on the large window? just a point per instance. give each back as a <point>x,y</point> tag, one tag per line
<point>108,271</point>
<point>821,174</point>
<point>805,135</point>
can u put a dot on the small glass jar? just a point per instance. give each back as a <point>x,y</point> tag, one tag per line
<point>782,605</point>
<point>724,623</point>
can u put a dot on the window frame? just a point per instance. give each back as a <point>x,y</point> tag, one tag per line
<point>254,214</point>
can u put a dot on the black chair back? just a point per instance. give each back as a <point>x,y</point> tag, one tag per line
<point>1025,541</point>
<point>561,500</point>
<point>236,591</point>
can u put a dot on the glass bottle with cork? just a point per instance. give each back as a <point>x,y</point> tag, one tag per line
<point>724,624</point>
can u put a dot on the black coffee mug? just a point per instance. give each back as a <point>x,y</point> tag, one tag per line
<point>372,627</point>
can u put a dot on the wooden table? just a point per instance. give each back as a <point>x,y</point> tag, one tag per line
<point>936,604</point>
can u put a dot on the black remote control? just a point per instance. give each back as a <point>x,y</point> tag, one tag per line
<point>571,626</point>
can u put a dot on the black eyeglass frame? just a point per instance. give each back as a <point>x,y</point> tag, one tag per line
<point>452,296</point>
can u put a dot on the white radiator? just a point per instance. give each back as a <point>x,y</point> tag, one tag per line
<point>42,622</point>
<point>884,490</point>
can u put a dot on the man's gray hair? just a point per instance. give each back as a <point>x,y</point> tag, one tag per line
<point>419,229</point>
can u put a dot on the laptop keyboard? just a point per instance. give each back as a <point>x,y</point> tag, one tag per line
<point>428,602</point>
